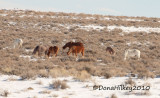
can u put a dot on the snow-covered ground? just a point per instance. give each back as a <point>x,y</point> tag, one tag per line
<point>40,88</point>
<point>135,29</point>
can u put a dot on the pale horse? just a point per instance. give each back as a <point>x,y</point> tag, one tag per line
<point>17,43</point>
<point>131,53</point>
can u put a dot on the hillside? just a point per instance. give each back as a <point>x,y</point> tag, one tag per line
<point>95,31</point>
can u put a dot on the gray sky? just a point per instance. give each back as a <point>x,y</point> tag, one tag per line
<point>148,8</point>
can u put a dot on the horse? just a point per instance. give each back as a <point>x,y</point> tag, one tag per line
<point>131,53</point>
<point>52,50</point>
<point>75,50</point>
<point>70,44</point>
<point>40,49</point>
<point>17,43</point>
<point>110,50</point>
<point>74,47</point>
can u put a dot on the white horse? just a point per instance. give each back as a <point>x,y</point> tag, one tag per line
<point>132,53</point>
<point>18,43</point>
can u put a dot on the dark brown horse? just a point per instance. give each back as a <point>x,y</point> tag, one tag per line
<point>40,49</point>
<point>110,50</point>
<point>52,50</point>
<point>70,44</point>
<point>74,48</point>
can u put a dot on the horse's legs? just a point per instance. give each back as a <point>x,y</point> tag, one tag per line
<point>82,52</point>
<point>39,54</point>
<point>73,53</point>
<point>56,54</point>
<point>69,51</point>
<point>20,45</point>
<point>138,56</point>
<point>110,52</point>
<point>76,53</point>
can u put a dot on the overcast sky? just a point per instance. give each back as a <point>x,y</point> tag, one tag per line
<point>148,8</point>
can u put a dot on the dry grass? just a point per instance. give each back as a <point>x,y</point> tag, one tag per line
<point>113,96</point>
<point>57,84</point>
<point>30,88</point>
<point>107,75</point>
<point>12,79</point>
<point>58,72</point>
<point>45,92</point>
<point>54,31</point>
<point>5,93</point>
<point>130,82</point>
<point>54,95</point>
<point>40,82</point>
<point>83,76</point>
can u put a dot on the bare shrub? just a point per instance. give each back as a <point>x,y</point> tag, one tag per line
<point>7,70</point>
<point>59,85</point>
<point>30,88</point>
<point>39,82</point>
<point>28,75</point>
<point>58,72</point>
<point>113,96</point>
<point>5,93</point>
<point>130,82</point>
<point>45,92</point>
<point>144,73</point>
<point>82,76</point>
<point>43,73</point>
<point>107,75</point>
<point>12,79</point>
<point>54,95</point>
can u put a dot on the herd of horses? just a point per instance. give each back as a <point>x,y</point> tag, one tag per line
<point>74,48</point>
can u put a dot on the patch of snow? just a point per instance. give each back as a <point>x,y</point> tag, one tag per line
<point>3,14</point>
<point>22,16</point>
<point>12,23</point>
<point>135,29</point>
<point>145,43</point>
<point>19,88</point>
<point>28,50</point>
<point>29,57</point>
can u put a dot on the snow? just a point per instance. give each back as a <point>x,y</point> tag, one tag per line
<point>145,43</point>
<point>12,23</point>
<point>135,29</point>
<point>18,88</point>
<point>29,57</point>
<point>3,14</point>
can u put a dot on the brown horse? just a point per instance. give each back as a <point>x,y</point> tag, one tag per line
<point>52,50</point>
<point>40,49</point>
<point>74,48</point>
<point>70,44</point>
<point>110,50</point>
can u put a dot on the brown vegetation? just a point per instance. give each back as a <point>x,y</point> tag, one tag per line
<point>56,29</point>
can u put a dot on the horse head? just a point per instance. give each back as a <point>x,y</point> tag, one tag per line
<point>69,44</point>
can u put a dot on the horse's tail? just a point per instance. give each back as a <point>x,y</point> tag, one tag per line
<point>35,50</point>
